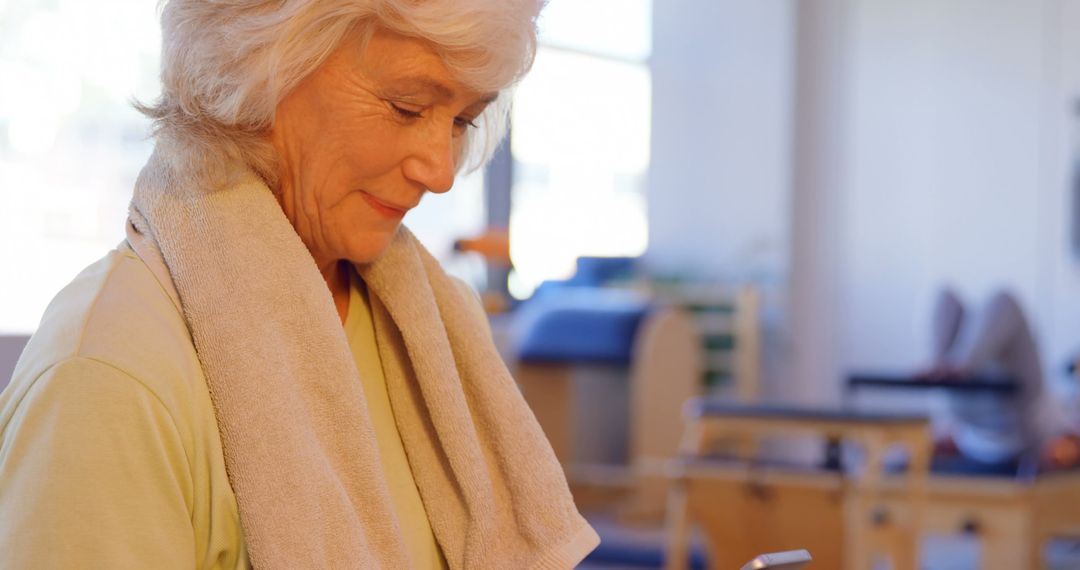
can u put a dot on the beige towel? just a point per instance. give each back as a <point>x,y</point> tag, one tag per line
<point>299,446</point>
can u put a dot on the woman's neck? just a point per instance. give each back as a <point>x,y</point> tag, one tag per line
<point>336,274</point>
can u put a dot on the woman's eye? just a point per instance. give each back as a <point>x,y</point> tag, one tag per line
<point>463,123</point>
<point>404,112</point>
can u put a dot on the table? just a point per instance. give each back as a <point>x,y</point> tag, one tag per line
<point>868,527</point>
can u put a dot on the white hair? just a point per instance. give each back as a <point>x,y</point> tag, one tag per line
<point>225,66</point>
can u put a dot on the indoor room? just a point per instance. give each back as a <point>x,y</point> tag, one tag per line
<point>619,284</point>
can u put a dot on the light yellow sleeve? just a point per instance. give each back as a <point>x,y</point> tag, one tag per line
<point>93,474</point>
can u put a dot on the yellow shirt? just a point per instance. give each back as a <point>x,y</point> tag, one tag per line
<point>419,539</point>
<point>109,449</point>
<point>110,455</point>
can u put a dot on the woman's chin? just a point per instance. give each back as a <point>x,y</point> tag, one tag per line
<point>369,248</point>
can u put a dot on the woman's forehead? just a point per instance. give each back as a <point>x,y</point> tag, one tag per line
<point>412,66</point>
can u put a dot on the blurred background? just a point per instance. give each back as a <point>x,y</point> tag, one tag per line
<point>839,161</point>
<point>850,157</point>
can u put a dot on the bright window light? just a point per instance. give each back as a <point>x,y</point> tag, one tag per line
<point>581,129</point>
<point>70,143</point>
<point>71,147</point>
<point>442,219</point>
<point>613,28</point>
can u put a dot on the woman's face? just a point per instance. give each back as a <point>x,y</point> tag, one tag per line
<point>363,138</point>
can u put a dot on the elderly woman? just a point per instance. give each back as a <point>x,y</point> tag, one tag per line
<point>271,368</point>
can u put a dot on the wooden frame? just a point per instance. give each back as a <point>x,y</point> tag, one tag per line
<point>871,527</point>
<point>664,374</point>
<point>666,371</point>
<point>1014,519</point>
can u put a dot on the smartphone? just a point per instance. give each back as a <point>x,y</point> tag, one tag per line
<point>789,560</point>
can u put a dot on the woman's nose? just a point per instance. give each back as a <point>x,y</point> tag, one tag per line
<point>434,163</point>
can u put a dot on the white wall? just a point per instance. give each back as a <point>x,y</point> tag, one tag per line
<point>1061,141</point>
<point>954,145</point>
<point>719,175</point>
<point>865,153</point>
<point>944,165</point>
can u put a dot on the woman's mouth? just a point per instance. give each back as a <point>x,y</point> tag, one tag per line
<point>385,208</point>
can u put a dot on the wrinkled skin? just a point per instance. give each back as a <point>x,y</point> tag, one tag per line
<point>361,140</point>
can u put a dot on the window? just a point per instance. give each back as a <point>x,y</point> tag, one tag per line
<point>71,147</point>
<point>442,219</point>
<point>70,143</point>
<point>580,140</point>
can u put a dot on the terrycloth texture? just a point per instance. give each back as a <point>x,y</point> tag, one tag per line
<point>298,443</point>
<point>424,551</point>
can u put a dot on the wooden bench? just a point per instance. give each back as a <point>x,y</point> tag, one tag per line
<point>1013,519</point>
<point>696,334</point>
<point>845,521</point>
<point>1012,516</point>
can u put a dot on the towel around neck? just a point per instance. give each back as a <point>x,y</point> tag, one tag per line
<point>299,446</point>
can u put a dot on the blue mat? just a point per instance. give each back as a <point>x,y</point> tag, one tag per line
<point>636,555</point>
<point>580,324</point>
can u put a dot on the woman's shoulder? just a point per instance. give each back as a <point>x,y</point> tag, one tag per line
<point>109,417</point>
<point>117,313</point>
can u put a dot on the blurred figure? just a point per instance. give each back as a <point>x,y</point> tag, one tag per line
<point>1062,450</point>
<point>995,343</point>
